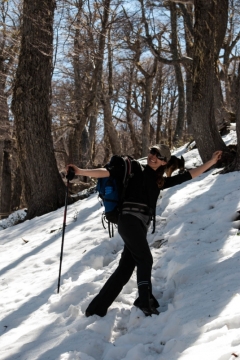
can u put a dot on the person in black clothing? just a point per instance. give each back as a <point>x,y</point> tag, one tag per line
<point>137,210</point>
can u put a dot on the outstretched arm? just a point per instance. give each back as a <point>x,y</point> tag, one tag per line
<point>199,170</point>
<point>95,173</point>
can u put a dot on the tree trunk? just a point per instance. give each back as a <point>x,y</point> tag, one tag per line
<point>237,159</point>
<point>222,116</point>
<point>43,187</point>
<point>106,147</point>
<point>107,92</point>
<point>5,205</point>
<point>179,78</point>
<point>146,114</point>
<point>135,142</point>
<point>92,137</point>
<point>109,127</point>
<point>93,103</point>
<point>235,166</point>
<point>91,106</point>
<point>147,103</point>
<point>4,116</point>
<point>189,102</point>
<point>206,46</point>
<point>77,134</point>
<point>159,118</point>
<point>17,190</point>
<point>74,144</point>
<point>178,134</point>
<point>188,26</point>
<point>85,145</point>
<point>170,120</point>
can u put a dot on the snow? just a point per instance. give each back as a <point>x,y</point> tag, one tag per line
<point>196,251</point>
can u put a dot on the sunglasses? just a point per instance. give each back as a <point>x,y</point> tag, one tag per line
<point>158,155</point>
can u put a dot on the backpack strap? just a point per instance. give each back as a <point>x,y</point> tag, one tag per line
<point>154,221</point>
<point>127,175</point>
<point>110,231</point>
<point>110,225</point>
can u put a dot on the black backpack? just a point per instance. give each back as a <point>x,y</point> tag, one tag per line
<point>112,192</point>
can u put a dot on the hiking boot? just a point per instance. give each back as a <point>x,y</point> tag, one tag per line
<point>154,310</point>
<point>146,311</point>
<point>99,313</point>
<point>149,311</point>
<point>153,302</point>
<point>87,314</point>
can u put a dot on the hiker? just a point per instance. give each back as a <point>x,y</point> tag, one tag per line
<point>137,210</point>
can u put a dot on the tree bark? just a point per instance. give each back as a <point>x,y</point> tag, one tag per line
<point>229,44</point>
<point>93,103</point>
<point>147,100</point>
<point>135,142</point>
<point>159,118</point>
<point>4,115</point>
<point>43,187</point>
<point>237,159</point>
<point>92,138</point>
<point>5,205</point>
<point>147,109</point>
<point>206,50</point>
<point>235,166</point>
<point>17,190</point>
<point>109,127</point>
<point>188,28</point>
<point>81,118</point>
<point>179,78</point>
<point>85,145</point>
<point>106,95</point>
<point>74,144</point>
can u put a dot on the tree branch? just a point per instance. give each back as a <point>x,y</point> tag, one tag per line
<point>155,52</point>
<point>187,18</point>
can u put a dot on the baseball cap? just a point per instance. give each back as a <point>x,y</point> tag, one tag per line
<point>163,150</point>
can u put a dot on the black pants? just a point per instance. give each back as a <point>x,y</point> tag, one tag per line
<point>136,252</point>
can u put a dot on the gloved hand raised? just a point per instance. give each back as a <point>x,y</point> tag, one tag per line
<point>71,173</point>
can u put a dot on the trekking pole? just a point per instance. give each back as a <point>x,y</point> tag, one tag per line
<point>70,175</point>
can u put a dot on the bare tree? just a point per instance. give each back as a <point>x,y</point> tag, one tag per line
<point>235,165</point>
<point>135,141</point>
<point>9,44</point>
<point>5,203</point>
<point>178,134</point>
<point>188,18</point>
<point>106,96</point>
<point>43,187</point>
<point>90,28</point>
<point>176,59</point>
<point>209,32</point>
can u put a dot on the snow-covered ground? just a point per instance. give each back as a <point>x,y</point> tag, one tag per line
<point>196,250</point>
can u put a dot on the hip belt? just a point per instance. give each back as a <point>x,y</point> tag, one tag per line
<point>137,207</point>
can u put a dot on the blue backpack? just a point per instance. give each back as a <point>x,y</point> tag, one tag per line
<point>112,192</point>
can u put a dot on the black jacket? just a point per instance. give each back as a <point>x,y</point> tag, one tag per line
<point>142,186</point>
